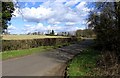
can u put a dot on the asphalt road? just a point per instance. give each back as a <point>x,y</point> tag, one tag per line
<point>42,64</point>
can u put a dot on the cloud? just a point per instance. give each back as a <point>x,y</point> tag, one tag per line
<point>71,29</point>
<point>11,27</point>
<point>81,5</point>
<point>53,21</point>
<point>54,12</point>
<point>72,2</point>
<point>70,23</point>
<point>16,13</point>
<point>41,28</point>
<point>83,9</point>
<point>36,14</point>
<point>84,22</point>
<point>33,28</point>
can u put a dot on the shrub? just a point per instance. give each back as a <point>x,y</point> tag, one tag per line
<point>32,43</point>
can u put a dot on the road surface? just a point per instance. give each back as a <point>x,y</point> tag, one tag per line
<point>43,64</point>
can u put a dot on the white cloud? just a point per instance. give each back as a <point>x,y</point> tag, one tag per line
<point>54,13</point>
<point>81,5</point>
<point>11,27</point>
<point>40,27</point>
<point>55,27</point>
<point>84,22</point>
<point>86,9</point>
<point>53,21</point>
<point>70,23</point>
<point>71,17</point>
<point>70,29</point>
<point>16,13</point>
<point>83,10</point>
<point>33,28</point>
<point>72,2</point>
<point>36,14</point>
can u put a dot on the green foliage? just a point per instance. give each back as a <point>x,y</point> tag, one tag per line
<point>7,10</point>
<point>94,63</point>
<point>18,53</point>
<point>85,33</point>
<point>32,43</point>
<point>83,64</point>
<point>106,23</point>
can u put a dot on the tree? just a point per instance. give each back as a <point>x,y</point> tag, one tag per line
<point>79,33</point>
<point>52,33</point>
<point>84,33</point>
<point>105,20</point>
<point>7,10</point>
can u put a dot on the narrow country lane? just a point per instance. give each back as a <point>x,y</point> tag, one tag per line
<point>43,64</point>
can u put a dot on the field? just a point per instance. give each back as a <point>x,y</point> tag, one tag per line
<point>22,37</point>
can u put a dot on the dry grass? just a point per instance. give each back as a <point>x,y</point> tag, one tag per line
<point>21,37</point>
<point>108,65</point>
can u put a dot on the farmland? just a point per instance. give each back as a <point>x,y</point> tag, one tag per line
<point>16,42</point>
<point>22,37</point>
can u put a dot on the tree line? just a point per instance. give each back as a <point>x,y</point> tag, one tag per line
<point>89,33</point>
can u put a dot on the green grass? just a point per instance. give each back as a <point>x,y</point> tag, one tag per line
<point>21,37</point>
<point>83,64</point>
<point>18,53</point>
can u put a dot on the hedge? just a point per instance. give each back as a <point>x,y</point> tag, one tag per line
<point>32,43</point>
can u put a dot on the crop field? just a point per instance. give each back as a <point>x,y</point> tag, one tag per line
<point>22,37</point>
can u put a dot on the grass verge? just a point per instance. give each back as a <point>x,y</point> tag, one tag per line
<point>83,64</point>
<point>18,53</point>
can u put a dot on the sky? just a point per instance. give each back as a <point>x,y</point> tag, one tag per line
<point>54,15</point>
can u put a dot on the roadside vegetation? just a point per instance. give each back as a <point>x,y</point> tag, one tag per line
<point>18,53</point>
<point>93,63</point>
<point>83,64</point>
<point>105,23</point>
<point>33,43</point>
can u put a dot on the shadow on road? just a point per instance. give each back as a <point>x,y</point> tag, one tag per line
<point>68,52</point>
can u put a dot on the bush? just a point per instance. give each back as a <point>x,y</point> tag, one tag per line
<point>32,43</point>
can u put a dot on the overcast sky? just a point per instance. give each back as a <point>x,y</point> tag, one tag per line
<point>49,15</point>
